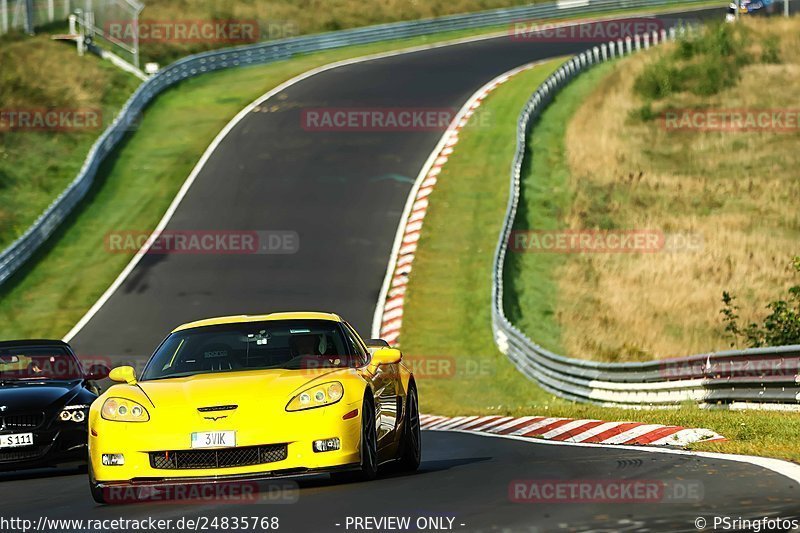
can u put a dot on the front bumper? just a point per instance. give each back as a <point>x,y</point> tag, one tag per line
<point>51,447</point>
<point>297,430</point>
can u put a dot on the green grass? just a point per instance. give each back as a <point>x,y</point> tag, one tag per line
<point>447,310</point>
<point>36,166</point>
<point>531,293</point>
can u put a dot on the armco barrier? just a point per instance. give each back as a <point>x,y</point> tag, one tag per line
<point>12,258</point>
<point>758,378</point>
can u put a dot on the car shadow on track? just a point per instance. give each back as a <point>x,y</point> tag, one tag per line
<point>39,473</point>
<point>426,467</point>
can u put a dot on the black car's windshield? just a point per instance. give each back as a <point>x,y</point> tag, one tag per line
<point>286,344</point>
<point>38,363</point>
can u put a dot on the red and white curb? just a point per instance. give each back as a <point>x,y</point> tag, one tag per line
<point>389,315</point>
<point>572,430</point>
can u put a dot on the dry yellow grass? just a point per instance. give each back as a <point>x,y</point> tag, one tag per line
<point>282,18</point>
<point>739,192</point>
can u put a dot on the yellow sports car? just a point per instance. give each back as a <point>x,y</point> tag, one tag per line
<point>251,397</point>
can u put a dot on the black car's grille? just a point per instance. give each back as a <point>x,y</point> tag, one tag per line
<point>224,458</point>
<point>22,454</point>
<point>26,421</point>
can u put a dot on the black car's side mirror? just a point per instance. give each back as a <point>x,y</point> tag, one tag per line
<point>97,372</point>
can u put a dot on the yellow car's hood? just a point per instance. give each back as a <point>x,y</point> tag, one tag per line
<point>261,388</point>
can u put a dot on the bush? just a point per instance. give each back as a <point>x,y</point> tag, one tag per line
<point>780,328</point>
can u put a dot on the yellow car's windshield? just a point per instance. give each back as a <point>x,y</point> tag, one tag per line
<point>283,344</point>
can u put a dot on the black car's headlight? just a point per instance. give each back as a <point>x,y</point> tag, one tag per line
<point>74,413</point>
<point>317,396</point>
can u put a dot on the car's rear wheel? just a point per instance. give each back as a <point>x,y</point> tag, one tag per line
<point>368,466</point>
<point>94,488</point>
<point>411,445</point>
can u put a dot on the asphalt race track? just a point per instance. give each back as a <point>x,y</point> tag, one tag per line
<point>343,193</point>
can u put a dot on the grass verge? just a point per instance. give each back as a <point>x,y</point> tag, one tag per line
<point>447,331</point>
<point>718,197</point>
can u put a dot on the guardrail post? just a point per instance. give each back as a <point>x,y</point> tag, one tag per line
<point>663,35</point>
<point>628,46</point>
<point>604,51</point>
<point>655,37</point>
<point>646,38</point>
<point>596,52</point>
<point>612,49</point>
<point>638,40</point>
<point>672,34</point>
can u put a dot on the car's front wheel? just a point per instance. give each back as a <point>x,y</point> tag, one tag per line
<point>368,466</point>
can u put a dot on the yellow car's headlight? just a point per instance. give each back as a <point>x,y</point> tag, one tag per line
<point>317,396</point>
<point>122,410</point>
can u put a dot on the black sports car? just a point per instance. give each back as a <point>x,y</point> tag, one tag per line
<point>45,394</point>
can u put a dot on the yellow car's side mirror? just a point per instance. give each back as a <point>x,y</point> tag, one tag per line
<point>384,356</point>
<point>123,374</point>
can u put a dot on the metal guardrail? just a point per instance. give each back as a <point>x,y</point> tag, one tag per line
<point>756,378</point>
<point>12,258</point>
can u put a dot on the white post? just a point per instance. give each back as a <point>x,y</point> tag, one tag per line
<point>51,10</point>
<point>628,44</point>
<point>620,48</point>
<point>638,40</point>
<point>4,15</point>
<point>612,49</point>
<point>646,41</point>
<point>785,8</point>
<point>604,51</point>
<point>663,35</point>
<point>672,33</point>
<point>655,37</point>
<point>596,52</point>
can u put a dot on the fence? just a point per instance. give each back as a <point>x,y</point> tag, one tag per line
<point>757,378</point>
<point>25,15</point>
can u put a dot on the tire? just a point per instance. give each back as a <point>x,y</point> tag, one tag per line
<point>368,447</point>
<point>97,492</point>
<point>411,445</point>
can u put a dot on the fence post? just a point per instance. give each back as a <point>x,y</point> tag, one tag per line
<point>29,17</point>
<point>628,47</point>
<point>604,51</point>
<point>638,40</point>
<point>646,41</point>
<point>672,33</point>
<point>4,16</point>
<point>596,52</point>
<point>51,10</point>
<point>663,35</point>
